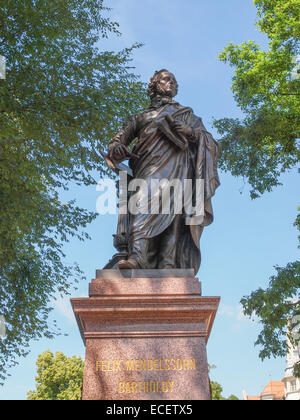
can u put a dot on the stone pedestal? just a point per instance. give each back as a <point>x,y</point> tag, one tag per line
<point>145,333</point>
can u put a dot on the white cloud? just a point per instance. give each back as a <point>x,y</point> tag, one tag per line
<point>226,310</point>
<point>64,307</point>
<point>236,314</point>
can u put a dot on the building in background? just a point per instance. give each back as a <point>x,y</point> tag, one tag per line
<point>289,387</point>
<point>292,384</point>
<point>273,391</point>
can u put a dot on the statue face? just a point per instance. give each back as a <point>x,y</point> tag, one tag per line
<point>166,84</point>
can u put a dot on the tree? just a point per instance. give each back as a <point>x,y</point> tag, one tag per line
<point>217,389</point>
<point>266,88</point>
<point>62,100</point>
<point>276,307</point>
<point>265,143</point>
<point>58,378</point>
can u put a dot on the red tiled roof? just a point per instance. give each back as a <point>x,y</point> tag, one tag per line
<point>275,388</point>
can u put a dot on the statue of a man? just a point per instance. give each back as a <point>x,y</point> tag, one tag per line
<point>173,144</point>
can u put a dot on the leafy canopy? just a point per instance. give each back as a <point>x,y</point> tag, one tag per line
<point>277,307</point>
<point>58,378</point>
<point>217,389</point>
<point>266,86</point>
<point>265,144</point>
<point>216,392</point>
<point>62,100</point>
<point>274,307</point>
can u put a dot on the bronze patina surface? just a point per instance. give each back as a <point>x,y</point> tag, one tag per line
<point>173,144</point>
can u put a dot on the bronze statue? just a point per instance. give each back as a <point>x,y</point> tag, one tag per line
<point>173,144</point>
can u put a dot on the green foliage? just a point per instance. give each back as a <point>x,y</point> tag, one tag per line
<point>275,307</point>
<point>266,86</point>
<point>297,370</point>
<point>232,398</point>
<point>58,378</point>
<point>62,100</point>
<point>216,390</point>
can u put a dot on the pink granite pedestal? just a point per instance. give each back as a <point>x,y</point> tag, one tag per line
<point>145,337</point>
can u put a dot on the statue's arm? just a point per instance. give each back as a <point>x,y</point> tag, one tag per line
<point>117,148</point>
<point>191,128</point>
<point>196,128</point>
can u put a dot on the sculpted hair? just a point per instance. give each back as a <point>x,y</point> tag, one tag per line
<point>152,91</point>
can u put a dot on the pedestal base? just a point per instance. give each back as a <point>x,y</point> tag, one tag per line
<point>145,336</point>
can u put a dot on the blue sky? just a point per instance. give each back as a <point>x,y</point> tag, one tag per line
<point>247,238</point>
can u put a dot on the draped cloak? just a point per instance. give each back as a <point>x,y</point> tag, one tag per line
<point>160,159</point>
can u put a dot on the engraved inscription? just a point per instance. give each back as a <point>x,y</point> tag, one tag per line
<point>145,386</point>
<point>146,364</point>
<point>140,365</point>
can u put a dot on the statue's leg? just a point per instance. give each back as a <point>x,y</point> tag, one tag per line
<point>144,252</point>
<point>168,243</point>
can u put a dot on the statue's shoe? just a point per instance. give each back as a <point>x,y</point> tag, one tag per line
<point>130,264</point>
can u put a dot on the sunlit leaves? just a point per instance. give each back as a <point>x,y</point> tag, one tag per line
<point>275,307</point>
<point>267,91</point>
<point>62,100</point>
<point>58,377</point>
<point>265,144</point>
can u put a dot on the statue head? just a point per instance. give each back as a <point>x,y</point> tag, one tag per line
<point>162,83</point>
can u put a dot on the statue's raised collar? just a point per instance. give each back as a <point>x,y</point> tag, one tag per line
<point>159,101</point>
